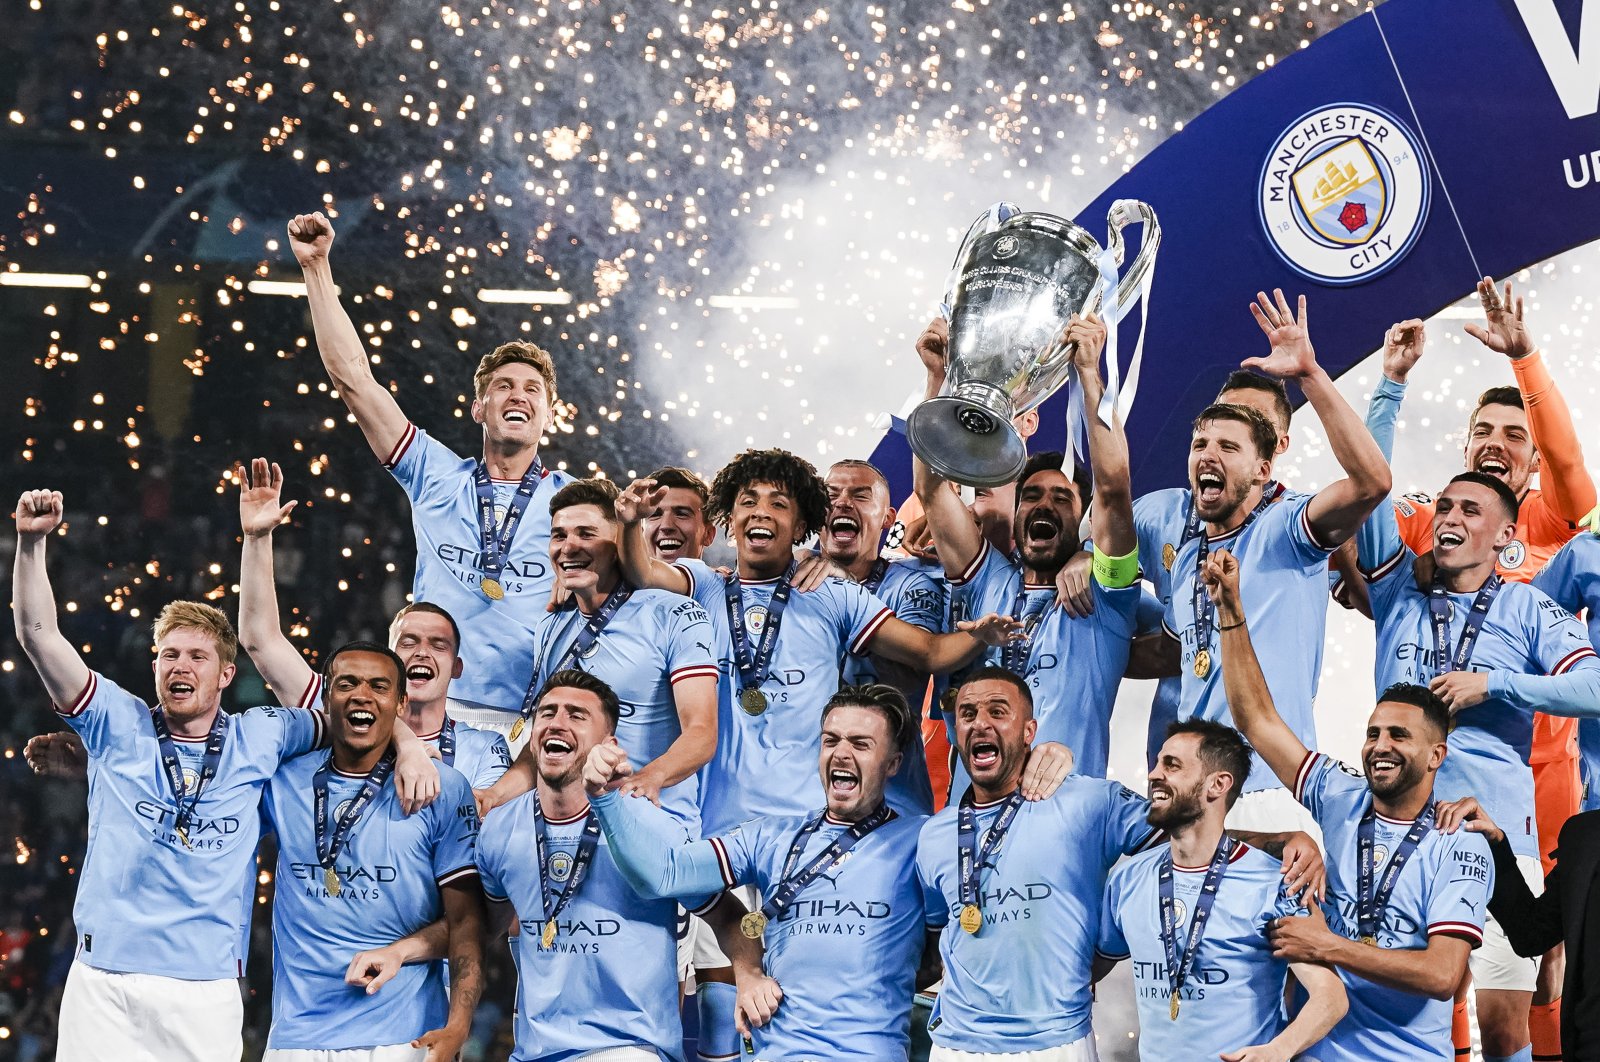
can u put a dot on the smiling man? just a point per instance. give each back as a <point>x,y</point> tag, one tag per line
<point>1496,651</point>
<point>678,527</point>
<point>355,874</point>
<point>481,523</point>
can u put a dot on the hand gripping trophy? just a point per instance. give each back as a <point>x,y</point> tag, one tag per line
<point>1017,280</point>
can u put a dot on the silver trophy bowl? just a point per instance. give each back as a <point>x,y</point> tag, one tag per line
<point>1016,287</point>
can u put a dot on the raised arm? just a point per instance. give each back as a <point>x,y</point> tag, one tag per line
<point>956,534</point>
<point>343,355</point>
<point>1112,516</point>
<point>1340,507</point>
<point>1563,477</point>
<point>940,654</point>
<point>260,632</point>
<point>33,604</point>
<point>1249,699</point>
<point>639,566</point>
<point>643,841</point>
<point>1403,344</point>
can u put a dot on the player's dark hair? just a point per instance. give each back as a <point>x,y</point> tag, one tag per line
<point>877,473</point>
<point>793,475</point>
<point>1262,433</point>
<point>573,679</point>
<point>1434,710</point>
<point>999,674</point>
<point>601,493</point>
<point>682,479</point>
<point>363,647</point>
<point>1245,380</point>
<point>1496,396</point>
<point>1055,461</point>
<point>1222,748</point>
<point>432,609</point>
<point>1507,498</point>
<point>881,698</point>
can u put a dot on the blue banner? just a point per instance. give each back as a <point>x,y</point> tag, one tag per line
<point>1380,172</point>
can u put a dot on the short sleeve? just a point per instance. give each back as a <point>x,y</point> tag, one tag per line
<point>705,585</point>
<point>860,614</point>
<point>1111,941</point>
<point>1283,906</point>
<point>104,714</point>
<point>1302,537</point>
<point>1126,830</point>
<point>920,600</point>
<point>455,837</point>
<point>935,912</point>
<point>1558,580</point>
<point>1322,781</point>
<point>688,637</point>
<point>423,465</point>
<point>1462,884</point>
<point>1561,643</point>
<point>496,762</point>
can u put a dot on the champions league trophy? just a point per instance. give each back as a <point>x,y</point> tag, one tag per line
<point>1017,280</point>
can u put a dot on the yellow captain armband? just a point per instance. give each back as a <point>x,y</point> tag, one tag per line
<point>1114,573</point>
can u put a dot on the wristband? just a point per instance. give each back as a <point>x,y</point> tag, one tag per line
<point>1114,573</point>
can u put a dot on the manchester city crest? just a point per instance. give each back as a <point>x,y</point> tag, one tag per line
<point>1344,193</point>
<point>559,866</point>
<point>755,620</point>
<point>191,779</point>
<point>1513,555</point>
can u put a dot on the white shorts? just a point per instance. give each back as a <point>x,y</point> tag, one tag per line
<point>698,950</point>
<point>132,1017</point>
<point>391,1053</point>
<point>1272,811</point>
<point>483,717</point>
<point>1495,967</point>
<point>1077,1051</point>
<point>621,1054</point>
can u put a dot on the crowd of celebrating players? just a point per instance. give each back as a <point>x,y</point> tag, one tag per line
<point>867,759</point>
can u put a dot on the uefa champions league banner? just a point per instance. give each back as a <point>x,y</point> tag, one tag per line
<point>1380,172</point>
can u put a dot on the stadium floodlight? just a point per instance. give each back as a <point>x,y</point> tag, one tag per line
<point>524,297</point>
<point>753,302</point>
<point>45,280</point>
<point>277,287</point>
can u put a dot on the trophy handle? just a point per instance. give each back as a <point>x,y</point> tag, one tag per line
<point>1126,212</point>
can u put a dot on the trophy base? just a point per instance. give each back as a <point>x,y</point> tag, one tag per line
<point>965,442</point>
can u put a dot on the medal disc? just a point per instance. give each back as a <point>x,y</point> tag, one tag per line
<point>492,589</point>
<point>183,835</point>
<point>1173,1010</point>
<point>1368,938</point>
<point>753,701</point>
<point>516,728</point>
<point>1168,555</point>
<point>972,918</point>
<point>753,925</point>
<point>1202,663</point>
<point>548,937</point>
<point>330,878</point>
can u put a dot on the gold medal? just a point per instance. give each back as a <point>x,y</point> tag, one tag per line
<point>330,879</point>
<point>1368,938</point>
<point>1168,555</point>
<point>183,835</point>
<point>753,925</point>
<point>753,701</point>
<point>1202,663</point>
<point>492,589</point>
<point>516,728</point>
<point>548,937</point>
<point>972,918</point>
<point>1173,1010</point>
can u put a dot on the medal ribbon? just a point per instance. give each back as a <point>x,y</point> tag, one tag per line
<point>496,542</point>
<point>753,671</point>
<point>1204,617</point>
<point>447,742</point>
<point>970,857</point>
<point>592,626</point>
<point>554,904</point>
<point>1439,608</point>
<point>1179,966</point>
<point>328,849</point>
<point>1370,903</point>
<point>172,767</point>
<point>880,568</point>
<point>792,884</point>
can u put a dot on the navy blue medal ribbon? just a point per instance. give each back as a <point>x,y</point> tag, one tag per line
<point>495,542</point>
<point>554,902</point>
<point>971,858</point>
<point>1204,617</point>
<point>753,666</point>
<point>587,636</point>
<point>328,848</point>
<point>1181,964</point>
<point>1370,902</point>
<point>791,884</point>
<point>447,742</point>
<point>1439,610</point>
<point>172,767</point>
<point>880,568</point>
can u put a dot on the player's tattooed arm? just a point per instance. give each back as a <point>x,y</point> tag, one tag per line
<point>344,356</point>
<point>1303,868</point>
<point>33,605</point>
<point>372,969</point>
<point>464,913</point>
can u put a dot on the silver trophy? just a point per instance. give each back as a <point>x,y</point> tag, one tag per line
<point>1015,286</point>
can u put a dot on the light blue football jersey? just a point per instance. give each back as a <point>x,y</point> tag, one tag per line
<point>1572,579</point>
<point>610,979</point>
<point>1283,582</point>
<point>1233,996</point>
<point>767,764</point>
<point>391,870</point>
<point>1443,889</point>
<point>1022,983</point>
<point>653,642</point>
<point>496,639</point>
<point>145,903</point>
<point>481,756</point>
